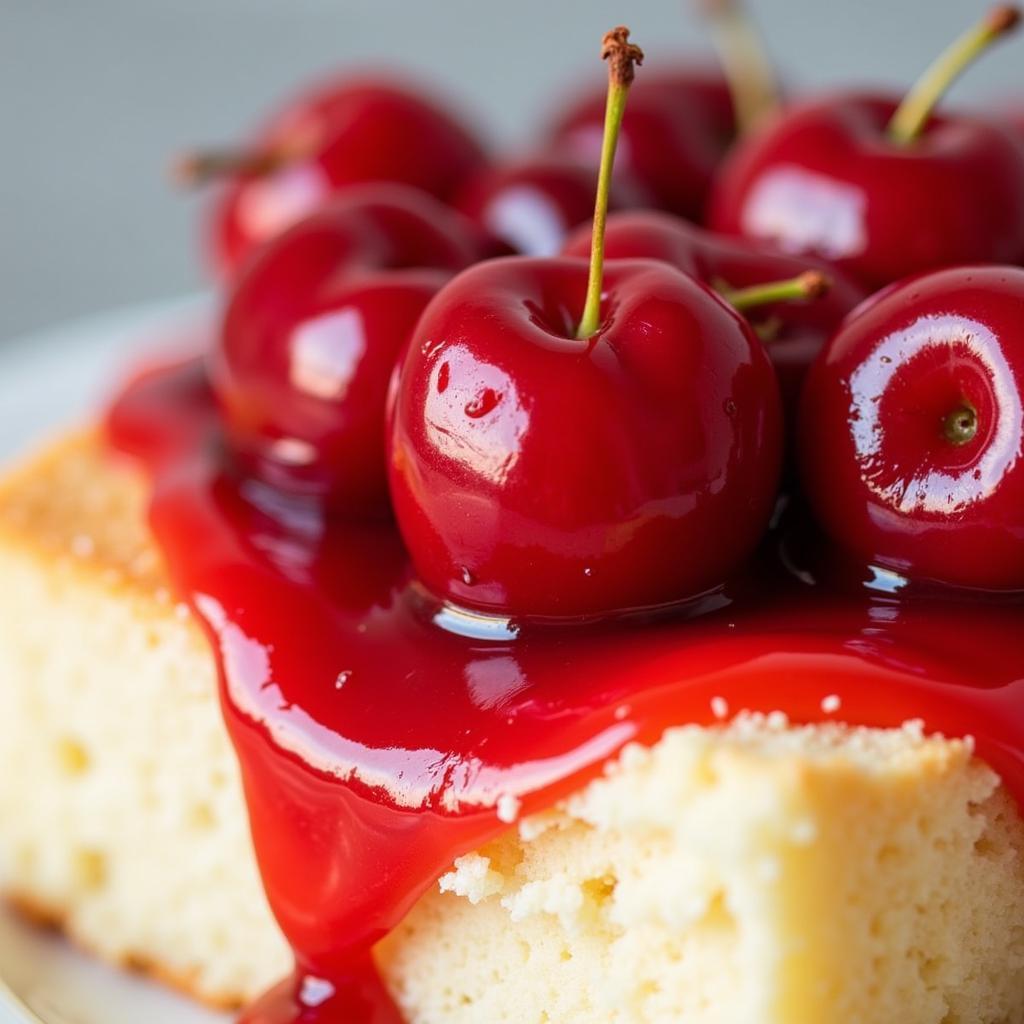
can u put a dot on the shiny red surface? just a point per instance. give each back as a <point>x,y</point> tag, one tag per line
<point>793,332</point>
<point>676,129</point>
<point>536,474</point>
<point>882,475</point>
<point>314,328</point>
<point>531,205</point>
<point>824,179</point>
<point>357,130</point>
<point>374,742</point>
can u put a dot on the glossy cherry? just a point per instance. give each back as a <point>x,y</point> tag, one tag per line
<point>532,204</point>
<point>793,332</point>
<point>682,122</point>
<point>841,177</point>
<point>677,130</point>
<point>536,474</point>
<point>312,333</point>
<point>912,429</point>
<point>346,131</point>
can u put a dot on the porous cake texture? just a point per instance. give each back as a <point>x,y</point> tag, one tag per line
<point>121,811</point>
<point>755,873</point>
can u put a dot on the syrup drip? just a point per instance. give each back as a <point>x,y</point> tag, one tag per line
<point>377,733</point>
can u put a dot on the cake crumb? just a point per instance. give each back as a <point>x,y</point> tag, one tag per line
<point>508,807</point>
<point>831,704</point>
<point>472,878</point>
<point>719,707</point>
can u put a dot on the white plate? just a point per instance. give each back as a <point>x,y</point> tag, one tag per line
<point>48,381</point>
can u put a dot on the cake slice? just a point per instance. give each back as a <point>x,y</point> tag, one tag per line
<point>756,872</point>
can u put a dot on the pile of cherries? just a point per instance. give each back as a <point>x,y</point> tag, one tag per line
<point>572,420</point>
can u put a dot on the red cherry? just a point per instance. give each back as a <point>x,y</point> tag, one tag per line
<point>532,204</point>
<point>540,469</point>
<point>346,131</point>
<point>533,473</point>
<point>677,130</point>
<point>682,122</point>
<point>793,332</point>
<point>312,333</point>
<point>881,187</point>
<point>912,429</point>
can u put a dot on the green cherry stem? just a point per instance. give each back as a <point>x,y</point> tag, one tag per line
<point>811,284</point>
<point>622,57</point>
<point>201,166</point>
<point>913,113</point>
<point>749,71</point>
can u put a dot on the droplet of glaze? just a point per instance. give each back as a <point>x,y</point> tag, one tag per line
<point>730,407</point>
<point>486,399</point>
<point>442,378</point>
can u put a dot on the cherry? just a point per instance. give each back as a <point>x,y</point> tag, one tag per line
<point>793,331</point>
<point>312,332</point>
<point>540,469</point>
<point>680,123</point>
<point>678,129</point>
<point>881,187</point>
<point>532,204</point>
<point>346,131</point>
<point>912,429</point>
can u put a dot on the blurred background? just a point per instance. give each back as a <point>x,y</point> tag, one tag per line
<point>97,95</point>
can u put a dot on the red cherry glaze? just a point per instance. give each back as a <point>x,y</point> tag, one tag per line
<point>675,132</point>
<point>313,330</point>
<point>823,178</point>
<point>535,474</point>
<point>531,205</point>
<point>883,473</point>
<point>374,743</point>
<point>793,332</point>
<point>347,131</point>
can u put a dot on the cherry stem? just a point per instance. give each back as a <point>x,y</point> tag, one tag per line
<point>622,57</point>
<point>811,284</point>
<point>913,113</point>
<point>205,165</point>
<point>749,71</point>
<point>961,425</point>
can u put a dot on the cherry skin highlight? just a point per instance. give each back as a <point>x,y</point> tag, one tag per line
<point>912,429</point>
<point>793,332</point>
<point>312,333</point>
<point>348,131</point>
<point>674,135</point>
<point>534,474</point>
<point>825,179</point>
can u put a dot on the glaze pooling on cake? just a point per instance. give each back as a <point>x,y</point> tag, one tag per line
<point>377,747</point>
